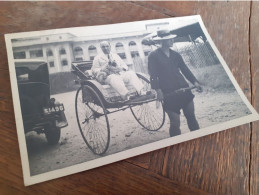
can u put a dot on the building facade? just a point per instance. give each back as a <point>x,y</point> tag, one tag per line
<point>60,50</point>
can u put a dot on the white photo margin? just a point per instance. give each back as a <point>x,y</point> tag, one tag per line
<point>29,180</point>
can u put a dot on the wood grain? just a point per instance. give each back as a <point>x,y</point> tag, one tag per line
<point>254,31</point>
<point>117,178</point>
<point>213,163</point>
<point>221,163</point>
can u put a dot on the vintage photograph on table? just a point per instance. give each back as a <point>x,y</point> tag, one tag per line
<point>88,96</point>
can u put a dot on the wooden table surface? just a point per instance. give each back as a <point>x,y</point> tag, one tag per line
<point>221,163</point>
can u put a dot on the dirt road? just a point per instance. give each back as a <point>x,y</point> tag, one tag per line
<point>126,133</point>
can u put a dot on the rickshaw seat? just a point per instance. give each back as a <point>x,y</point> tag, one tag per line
<point>109,93</point>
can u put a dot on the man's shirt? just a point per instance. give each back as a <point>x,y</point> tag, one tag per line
<point>102,60</point>
<point>165,71</point>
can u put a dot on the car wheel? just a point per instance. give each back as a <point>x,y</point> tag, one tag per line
<point>52,135</point>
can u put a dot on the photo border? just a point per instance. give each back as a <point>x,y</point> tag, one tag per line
<point>29,180</point>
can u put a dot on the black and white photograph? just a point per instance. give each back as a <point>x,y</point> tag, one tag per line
<point>89,96</point>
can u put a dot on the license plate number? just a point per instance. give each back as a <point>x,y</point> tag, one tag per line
<point>57,108</point>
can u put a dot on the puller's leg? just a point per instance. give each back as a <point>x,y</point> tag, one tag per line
<point>174,123</point>
<point>188,111</point>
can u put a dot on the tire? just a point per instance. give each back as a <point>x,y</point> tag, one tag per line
<point>52,134</point>
<point>93,123</point>
<point>147,114</point>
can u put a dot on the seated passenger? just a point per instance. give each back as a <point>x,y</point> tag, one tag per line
<point>109,68</point>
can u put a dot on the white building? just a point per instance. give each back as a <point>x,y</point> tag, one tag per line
<point>60,50</point>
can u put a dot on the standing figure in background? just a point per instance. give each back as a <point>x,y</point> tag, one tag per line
<point>166,68</point>
<point>109,68</point>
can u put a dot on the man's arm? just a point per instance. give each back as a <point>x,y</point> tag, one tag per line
<point>120,62</point>
<point>98,66</point>
<point>154,80</point>
<point>152,70</point>
<point>185,70</point>
<point>188,74</point>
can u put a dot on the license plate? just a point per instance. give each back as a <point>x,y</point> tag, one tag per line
<point>55,109</point>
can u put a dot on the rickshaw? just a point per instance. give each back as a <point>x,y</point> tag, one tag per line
<point>94,102</point>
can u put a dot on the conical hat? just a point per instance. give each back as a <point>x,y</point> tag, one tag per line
<point>164,35</point>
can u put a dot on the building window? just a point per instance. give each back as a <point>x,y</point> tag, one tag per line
<point>92,52</point>
<point>147,49</point>
<point>146,53</point>
<point>36,53</point>
<point>120,50</point>
<point>51,64</point>
<point>134,54</point>
<point>122,55</point>
<point>133,49</point>
<point>62,51</point>
<point>49,52</point>
<point>19,55</point>
<point>78,51</point>
<point>64,63</point>
<point>132,44</point>
<point>79,59</point>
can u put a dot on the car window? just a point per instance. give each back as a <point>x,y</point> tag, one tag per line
<point>23,77</point>
<point>22,74</point>
<point>28,74</point>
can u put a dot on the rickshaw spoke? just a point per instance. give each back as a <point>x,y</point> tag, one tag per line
<point>100,135</point>
<point>94,125</point>
<point>147,115</point>
<point>96,128</point>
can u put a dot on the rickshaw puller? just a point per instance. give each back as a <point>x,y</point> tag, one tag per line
<point>166,69</point>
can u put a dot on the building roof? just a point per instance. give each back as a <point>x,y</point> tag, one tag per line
<point>111,36</point>
<point>44,39</point>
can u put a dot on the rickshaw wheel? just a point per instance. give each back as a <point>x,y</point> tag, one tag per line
<point>93,125</point>
<point>149,115</point>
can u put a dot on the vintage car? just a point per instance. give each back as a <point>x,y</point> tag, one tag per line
<point>40,112</point>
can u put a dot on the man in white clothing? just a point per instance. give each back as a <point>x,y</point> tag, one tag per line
<point>111,69</point>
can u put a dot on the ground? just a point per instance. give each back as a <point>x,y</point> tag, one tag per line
<point>211,108</point>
